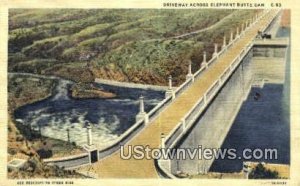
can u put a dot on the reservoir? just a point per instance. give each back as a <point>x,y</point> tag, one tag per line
<point>109,117</point>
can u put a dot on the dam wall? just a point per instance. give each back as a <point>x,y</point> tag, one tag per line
<point>211,128</point>
<point>214,123</point>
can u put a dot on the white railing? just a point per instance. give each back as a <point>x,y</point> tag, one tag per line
<point>199,72</point>
<point>196,108</point>
<point>153,113</point>
<point>76,156</point>
<point>186,122</point>
<point>177,130</point>
<point>122,140</point>
<point>182,87</point>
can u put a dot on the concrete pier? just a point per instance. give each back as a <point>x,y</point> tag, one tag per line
<point>93,154</point>
<point>216,50</point>
<point>162,139</point>
<point>242,28</point>
<point>142,115</point>
<point>170,91</point>
<point>204,62</point>
<point>224,42</point>
<point>89,135</point>
<point>190,74</point>
<point>237,32</point>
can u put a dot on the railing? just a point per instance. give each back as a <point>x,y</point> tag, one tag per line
<point>183,126</point>
<point>212,89</point>
<point>158,108</point>
<point>178,131</point>
<point>199,72</point>
<point>211,61</point>
<point>134,129</point>
<point>197,107</point>
<point>162,171</point>
<point>225,74</point>
<point>69,161</point>
<point>183,86</point>
<point>271,22</point>
<point>235,62</point>
<point>223,50</point>
<point>122,140</point>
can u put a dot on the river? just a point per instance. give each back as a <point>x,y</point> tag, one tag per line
<point>110,117</point>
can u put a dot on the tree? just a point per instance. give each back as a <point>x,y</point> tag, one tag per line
<point>260,172</point>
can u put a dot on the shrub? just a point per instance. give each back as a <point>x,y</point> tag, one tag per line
<point>260,172</point>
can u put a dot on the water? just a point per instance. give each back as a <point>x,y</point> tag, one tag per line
<point>262,123</point>
<point>110,117</point>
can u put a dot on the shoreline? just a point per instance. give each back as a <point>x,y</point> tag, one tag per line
<point>23,128</point>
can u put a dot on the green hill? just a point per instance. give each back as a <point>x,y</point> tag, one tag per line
<point>132,45</point>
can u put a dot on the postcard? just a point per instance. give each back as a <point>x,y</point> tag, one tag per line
<point>149,92</point>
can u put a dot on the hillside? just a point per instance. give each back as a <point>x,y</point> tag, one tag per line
<point>125,45</point>
<point>79,44</point>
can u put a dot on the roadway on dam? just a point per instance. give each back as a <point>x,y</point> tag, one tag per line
<point>114,167</point>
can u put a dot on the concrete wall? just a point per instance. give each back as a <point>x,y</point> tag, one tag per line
<point>130,85</point>
<point>270,70</point>
<point>213,125</point>
<point>268,62</point>
<point>269,51</point>
<point>70,161</point>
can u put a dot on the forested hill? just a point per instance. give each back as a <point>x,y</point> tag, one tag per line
<point>133,45</point>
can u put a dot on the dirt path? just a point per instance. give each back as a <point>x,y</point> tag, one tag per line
<point>204,29</point>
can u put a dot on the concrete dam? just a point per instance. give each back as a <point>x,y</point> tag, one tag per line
<point>201,111</point>
<point>216,120</point>
<point>264,64</point>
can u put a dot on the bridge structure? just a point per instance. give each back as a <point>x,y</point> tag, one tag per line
<point>165,124</point>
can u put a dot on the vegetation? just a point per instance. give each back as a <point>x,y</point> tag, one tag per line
<point>150,60</point>
<point>23,90</point>
<point>121,44</point>
<point>83,90</point>
<point>260,172</point>
<point>32,151</point>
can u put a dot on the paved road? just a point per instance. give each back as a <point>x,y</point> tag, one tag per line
<point>114,167</point>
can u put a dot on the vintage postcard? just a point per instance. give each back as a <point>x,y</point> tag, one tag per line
<point>149,92</point>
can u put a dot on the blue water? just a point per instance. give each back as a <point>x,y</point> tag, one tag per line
<point>110,117</point>
<point>261,123</point>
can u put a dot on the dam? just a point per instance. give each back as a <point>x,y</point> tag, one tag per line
<point>250,111</point>
<point>200,111</point>
<point>263,123</point>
